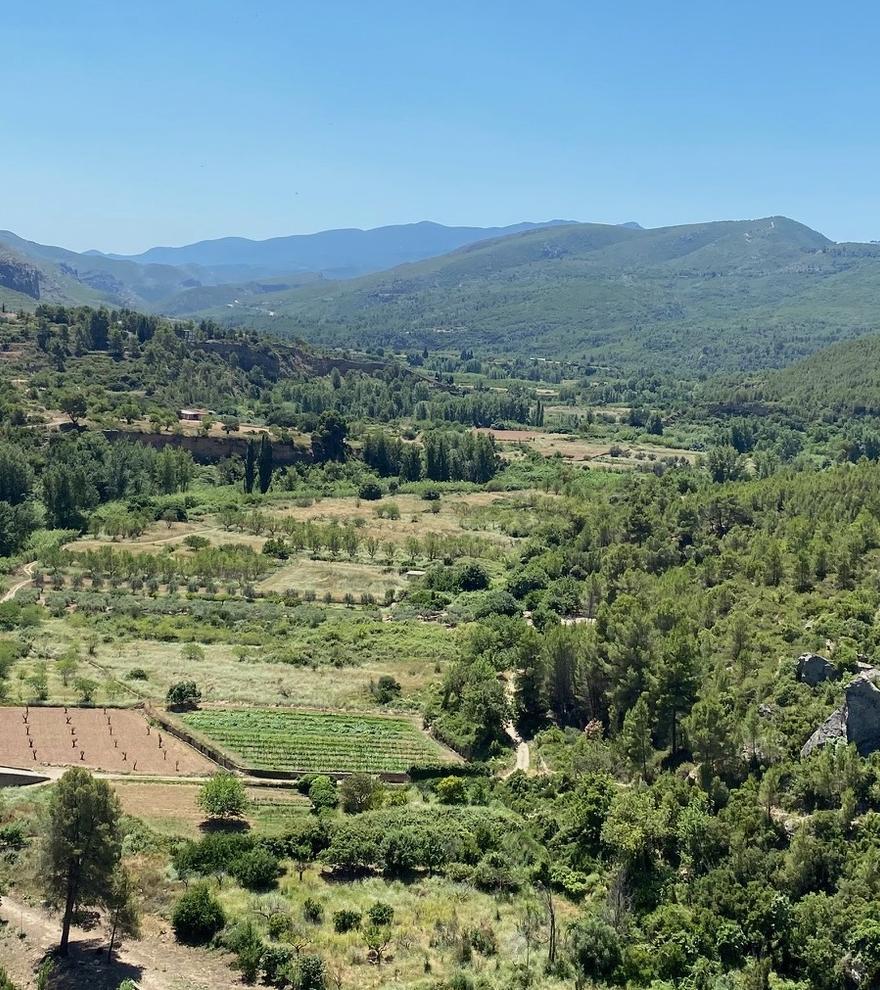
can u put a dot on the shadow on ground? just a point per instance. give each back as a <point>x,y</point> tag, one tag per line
<point>87,968</point>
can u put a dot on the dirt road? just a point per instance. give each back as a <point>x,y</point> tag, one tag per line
<point>155,963</point>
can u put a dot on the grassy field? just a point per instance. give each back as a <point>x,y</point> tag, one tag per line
<point>430,916</point>
<point>601,451</point>
<point>297,740</point>
<point>334,577</point>
<point>172,808</point>
<point>331,665</point>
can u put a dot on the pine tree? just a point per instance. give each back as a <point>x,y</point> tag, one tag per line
<point>122,904</point>
<point>676,682</point>
<point>635,736</point>
<point>530,697</point>
<point>82,848</point>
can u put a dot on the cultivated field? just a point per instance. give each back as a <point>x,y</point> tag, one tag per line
<point>116,740</point>
<point>295,740</point>
<point>173,808</point>
<point>580,449</point>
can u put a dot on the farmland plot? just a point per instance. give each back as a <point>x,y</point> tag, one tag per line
<point>293,740</point>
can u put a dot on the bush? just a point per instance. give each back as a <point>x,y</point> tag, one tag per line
<point>249,947</point>
<point>483,939</point>
<point>322,793</point>
<point>195,542</point>
<point>256,869</point>
<point>197,916</point>
<point>223,796</point>
<point>360,792</point>
<point>380,914</point>
<point>183,694</point>
<point>386,689</point>
<point>595,948</point>
<point>313,911</point>
<point>311,973</point>
<point>471,577</point>
<point>451,790</point>
<point>136,674</point>
<point>346,921</point>
<point>279,925</point>
<point>370,491</point>
<point>278,964</point>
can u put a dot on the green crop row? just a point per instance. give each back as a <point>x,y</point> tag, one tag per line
<point>289,740</point>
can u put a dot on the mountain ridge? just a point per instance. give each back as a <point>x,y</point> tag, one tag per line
<point>723,294</point>
<point>343,252</point>
<point>718,296</point>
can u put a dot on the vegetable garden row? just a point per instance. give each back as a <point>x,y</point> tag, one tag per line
<point>290,740</point>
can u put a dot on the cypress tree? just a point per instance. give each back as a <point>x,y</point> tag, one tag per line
<point>264,464</point>
<point>250,460</point>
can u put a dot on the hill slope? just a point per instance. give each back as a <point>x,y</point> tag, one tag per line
<point>839,381</point>
<point>730,294</point>
<point>57,275</point>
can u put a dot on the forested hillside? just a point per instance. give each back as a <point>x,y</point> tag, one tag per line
<point>696,299</point>
<point>729,295</point>
<point>840,381</point>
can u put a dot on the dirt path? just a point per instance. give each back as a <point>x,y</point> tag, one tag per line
<point>523,756</point>
<point>157,962</point>
<point>28,571</point>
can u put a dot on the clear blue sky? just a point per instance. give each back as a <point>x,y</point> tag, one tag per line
<point>128,124</point>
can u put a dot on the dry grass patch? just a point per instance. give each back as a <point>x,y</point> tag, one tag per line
<point>338,577</point>
<point>173,808</point>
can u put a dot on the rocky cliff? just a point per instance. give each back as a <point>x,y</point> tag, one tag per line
<point>20,277</point>
<point>857,721</point>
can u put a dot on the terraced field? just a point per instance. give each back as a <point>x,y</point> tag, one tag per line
<point>295,740</point>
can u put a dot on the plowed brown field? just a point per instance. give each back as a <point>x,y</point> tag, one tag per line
<point>115,740</point>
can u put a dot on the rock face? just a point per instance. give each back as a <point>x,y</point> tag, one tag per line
<point>813,669</point>
<point>857,721</point>
<point>20,277</point>
<point>863,715</point>
<point>833,729</point>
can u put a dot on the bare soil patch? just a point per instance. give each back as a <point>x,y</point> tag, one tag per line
<point>113,740</point>
<point>157,962</point>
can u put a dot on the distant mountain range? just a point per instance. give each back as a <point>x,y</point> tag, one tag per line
<point>185,279</point>
<point>334,253</point>
<point>727,295</point>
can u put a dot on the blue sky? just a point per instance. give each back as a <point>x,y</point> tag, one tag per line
<point>134,124</point>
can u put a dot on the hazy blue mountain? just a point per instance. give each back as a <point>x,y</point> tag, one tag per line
<point>335,253</point>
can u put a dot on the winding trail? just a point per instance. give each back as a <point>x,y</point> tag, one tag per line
<point>28,571</point>
<point>523,756</point>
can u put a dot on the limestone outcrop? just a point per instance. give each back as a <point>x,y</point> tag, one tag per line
<point>813,669</point>
<point>857,721</point>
